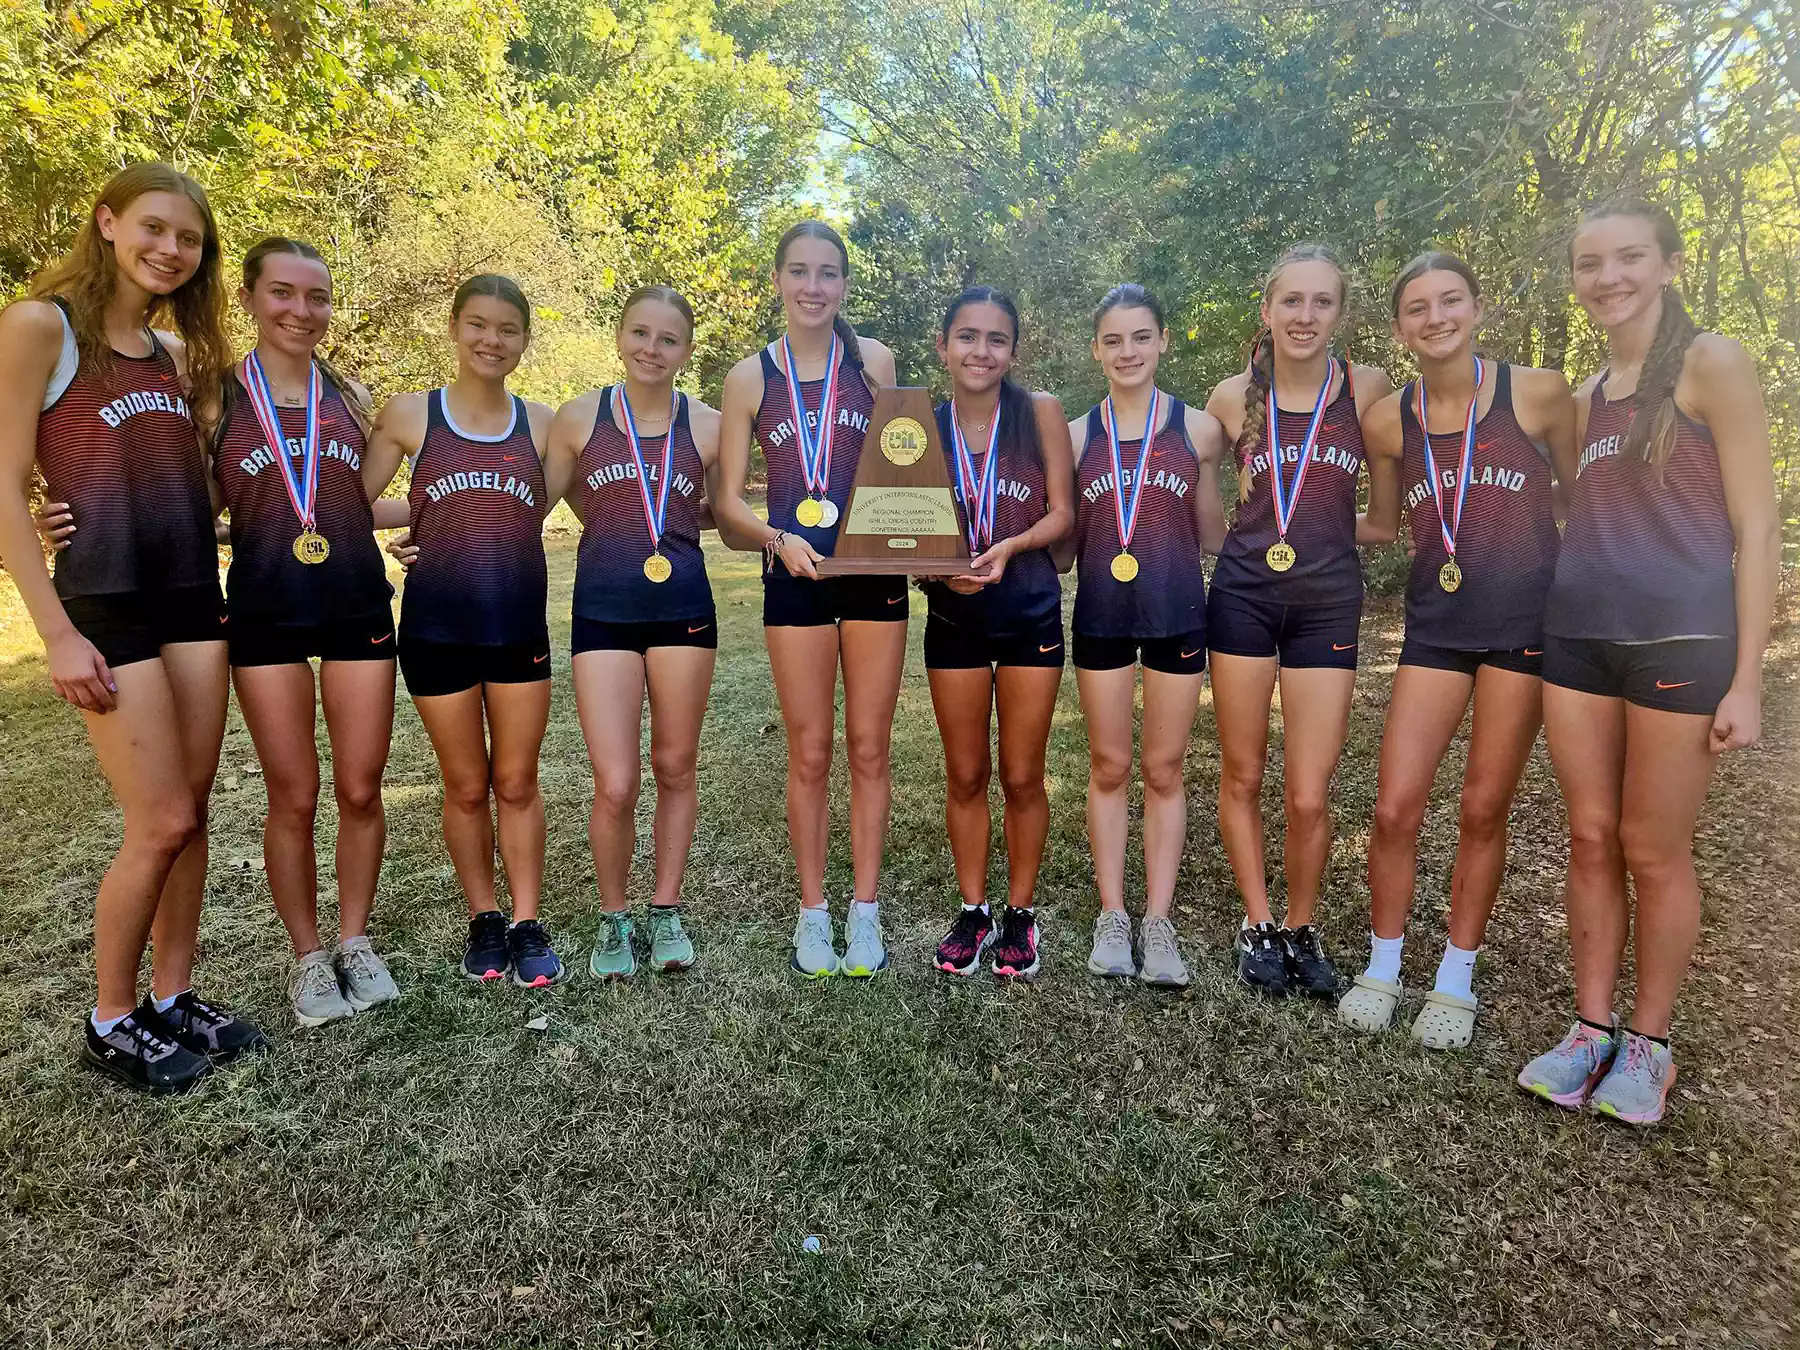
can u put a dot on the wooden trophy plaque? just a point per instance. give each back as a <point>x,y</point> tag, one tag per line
<point>902,514</point>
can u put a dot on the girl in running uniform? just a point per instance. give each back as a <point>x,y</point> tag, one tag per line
<point>1286,600</point>
<point>637,461</point>
<point>821,368</point>
<point>993,636</point>
<point>1478,498</point>
<point>474,640</point>
<point>1140,596</point>
<point>1653,644</point>
<point>133,624</point>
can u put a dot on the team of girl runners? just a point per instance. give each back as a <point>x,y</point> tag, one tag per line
<point>1634,635</point>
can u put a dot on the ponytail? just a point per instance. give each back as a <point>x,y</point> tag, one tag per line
<point>356,398</point>
<point>1256,406</point>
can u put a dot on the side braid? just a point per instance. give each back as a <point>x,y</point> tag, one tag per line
<point>1652,438</point>
<point>355,399</point>
<point>1256,407</point>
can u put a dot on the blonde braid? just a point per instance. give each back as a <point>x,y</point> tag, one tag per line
<point>1652,438</point>
<point>1256,407</point>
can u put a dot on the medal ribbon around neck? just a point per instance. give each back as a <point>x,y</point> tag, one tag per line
<point>1127,515</point>
<point>1465,468</point>
<point>302,488</point>
<point>1287,498</point>
<point>815,448</point>
<point>980,495</point>
<point>656,510</point>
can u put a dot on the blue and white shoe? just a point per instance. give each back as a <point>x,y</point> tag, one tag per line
<point>1566,1074</point>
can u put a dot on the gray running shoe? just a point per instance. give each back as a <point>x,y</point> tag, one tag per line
<point>864,951</point>
<point>814,955</point>
<point>1112,945</point>
<point>315,993</point>
<point>1567,1072</point>
<point>363,975</point>
<point>1636,1089</point>
<point>1162,959</point>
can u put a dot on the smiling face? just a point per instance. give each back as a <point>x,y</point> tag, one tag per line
<point>980,347</point>
<point>490,337</point>
<point>1619,268</point>
<point>290,303</point>
<point>158,239</point>
<point>1438,315</point>
<point>1128,343</point>
<point>654,340</point>
<point>812,281</point>
<point>1302,308</point>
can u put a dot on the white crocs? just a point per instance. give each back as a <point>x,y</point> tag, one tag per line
<point>1446,1022</point>
<point>1369,1004</point>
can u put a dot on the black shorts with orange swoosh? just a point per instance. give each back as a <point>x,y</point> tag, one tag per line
<point>1521,660</point>
<point>1684,675</point>
<point>796,602</point>
<point>434,668</point>
<point>1301,636</point>
<point>954,646</point>
<point>367,637</point>
<point>1183,654</point>
<point>594,635</point>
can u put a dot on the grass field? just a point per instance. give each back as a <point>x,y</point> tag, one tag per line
<point>1066,1164</point>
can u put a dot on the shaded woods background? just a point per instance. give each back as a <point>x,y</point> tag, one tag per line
<point>1050,146</point>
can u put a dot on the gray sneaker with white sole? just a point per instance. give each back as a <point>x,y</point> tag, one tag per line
<point>1112,945</point>
<point>1162,963</point>
<point>362,975</point>
<point>314,991</point>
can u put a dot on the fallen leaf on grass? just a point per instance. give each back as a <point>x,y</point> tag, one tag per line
<point>523,1290</point>
<point>538,1023</point>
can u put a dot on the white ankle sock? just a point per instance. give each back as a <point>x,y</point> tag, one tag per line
<point>1384,958</point>
<point>103,1025</point>
<point>865,909</point>
<point>1456,972</point>
<point>164,1004</point>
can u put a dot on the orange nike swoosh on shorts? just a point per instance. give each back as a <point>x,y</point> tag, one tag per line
<point>897,599</point>
<point>1052,647</point>
<point>1342,646</point>
<point>539,660</point>
<point>1185,656</point>
<point>701,629</point>
<point>1530,652</point>
<point>376,642</point>
<point>1679,684</point>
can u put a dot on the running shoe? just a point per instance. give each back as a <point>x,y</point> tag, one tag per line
<point>315,993</point>
<point>1636,1088</point>
<point>966,943</point>
<point>141,1051</point>
<point>1162,963</point>
<point>1568,1073</point>
<point>363,976</point>
<point>1309,970</point>
<point>1112,945</point>
<point>613,957</point>
<point>535,964</point>
<point>207,1029</point>
<point>1262,959</point>
<point>485,955</point>
<point>814,955</point>
<point>864,951</point>
<point>1016,947</point>
<point>670,947</point>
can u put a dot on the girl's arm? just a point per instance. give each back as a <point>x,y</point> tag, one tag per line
<point>1062,552</point>
<point>878,363</point>
<point>569,432</point>
<point>398,433</point>
<point>1380,524</point>
<point>1059,493</point>
<point>1546,410</point>
<point>703,425</point>
<point>1729,399</point>
<point>739,526</point>
<point>30,343</point>
<point>1208,439</point>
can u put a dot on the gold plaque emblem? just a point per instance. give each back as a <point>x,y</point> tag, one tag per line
<point>903,441</point>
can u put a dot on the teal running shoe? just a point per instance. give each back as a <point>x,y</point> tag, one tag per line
<point>1636,1088</point>
<point>1566,1074</point>
<point>670,947</point>
<point>814,955</point>
<point>864,951</point>
<point>613,958</point>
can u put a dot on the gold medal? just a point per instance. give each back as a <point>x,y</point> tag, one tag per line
<point>809,513</point>
<point>1124,567</point>
<point>1450,576</point>
<point>311,548</point>
<point>658,568</point>
<point>1281,555</point>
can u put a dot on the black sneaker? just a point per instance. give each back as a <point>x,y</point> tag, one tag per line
<point>1015,949</point>
<point>210,1030</point>
<point>1309,970</point>
<point>142,1052</point>
<point>1262,959</point>
<point>534,961</point>
<point>486,956</point>
<point>966,943</point>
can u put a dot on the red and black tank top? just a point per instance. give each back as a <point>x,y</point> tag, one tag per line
<point>780,444</point>
<point>1323,528</point>
<point>119,446</point>
<point>1167,598</point>
<point>478,508</point>
<point>1028,593</point>
<point>1507,542</point>
<point>610,585</point>
<point>266,580</point>
<point>1644,559</point>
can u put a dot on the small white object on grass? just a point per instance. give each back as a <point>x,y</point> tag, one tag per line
<point>811,1245</point>
<point>538,1023</point>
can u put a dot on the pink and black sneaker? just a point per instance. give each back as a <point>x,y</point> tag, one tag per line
<point>966,943</point>
<point>1016,948</point>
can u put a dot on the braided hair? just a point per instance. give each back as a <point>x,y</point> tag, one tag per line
<point>1652,438</point>
<point>1261,359</point>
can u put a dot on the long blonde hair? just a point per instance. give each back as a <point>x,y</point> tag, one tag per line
<point>87,278</point>
<point>1262,358</point>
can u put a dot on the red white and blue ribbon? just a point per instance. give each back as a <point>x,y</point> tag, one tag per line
<point>1287,498</point>
<point>980,493</point>
<point>302,487</point>
<point>1465,467</point>
<point>656,509</point>
<point>1127,513</point>
<point>815,443</point>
